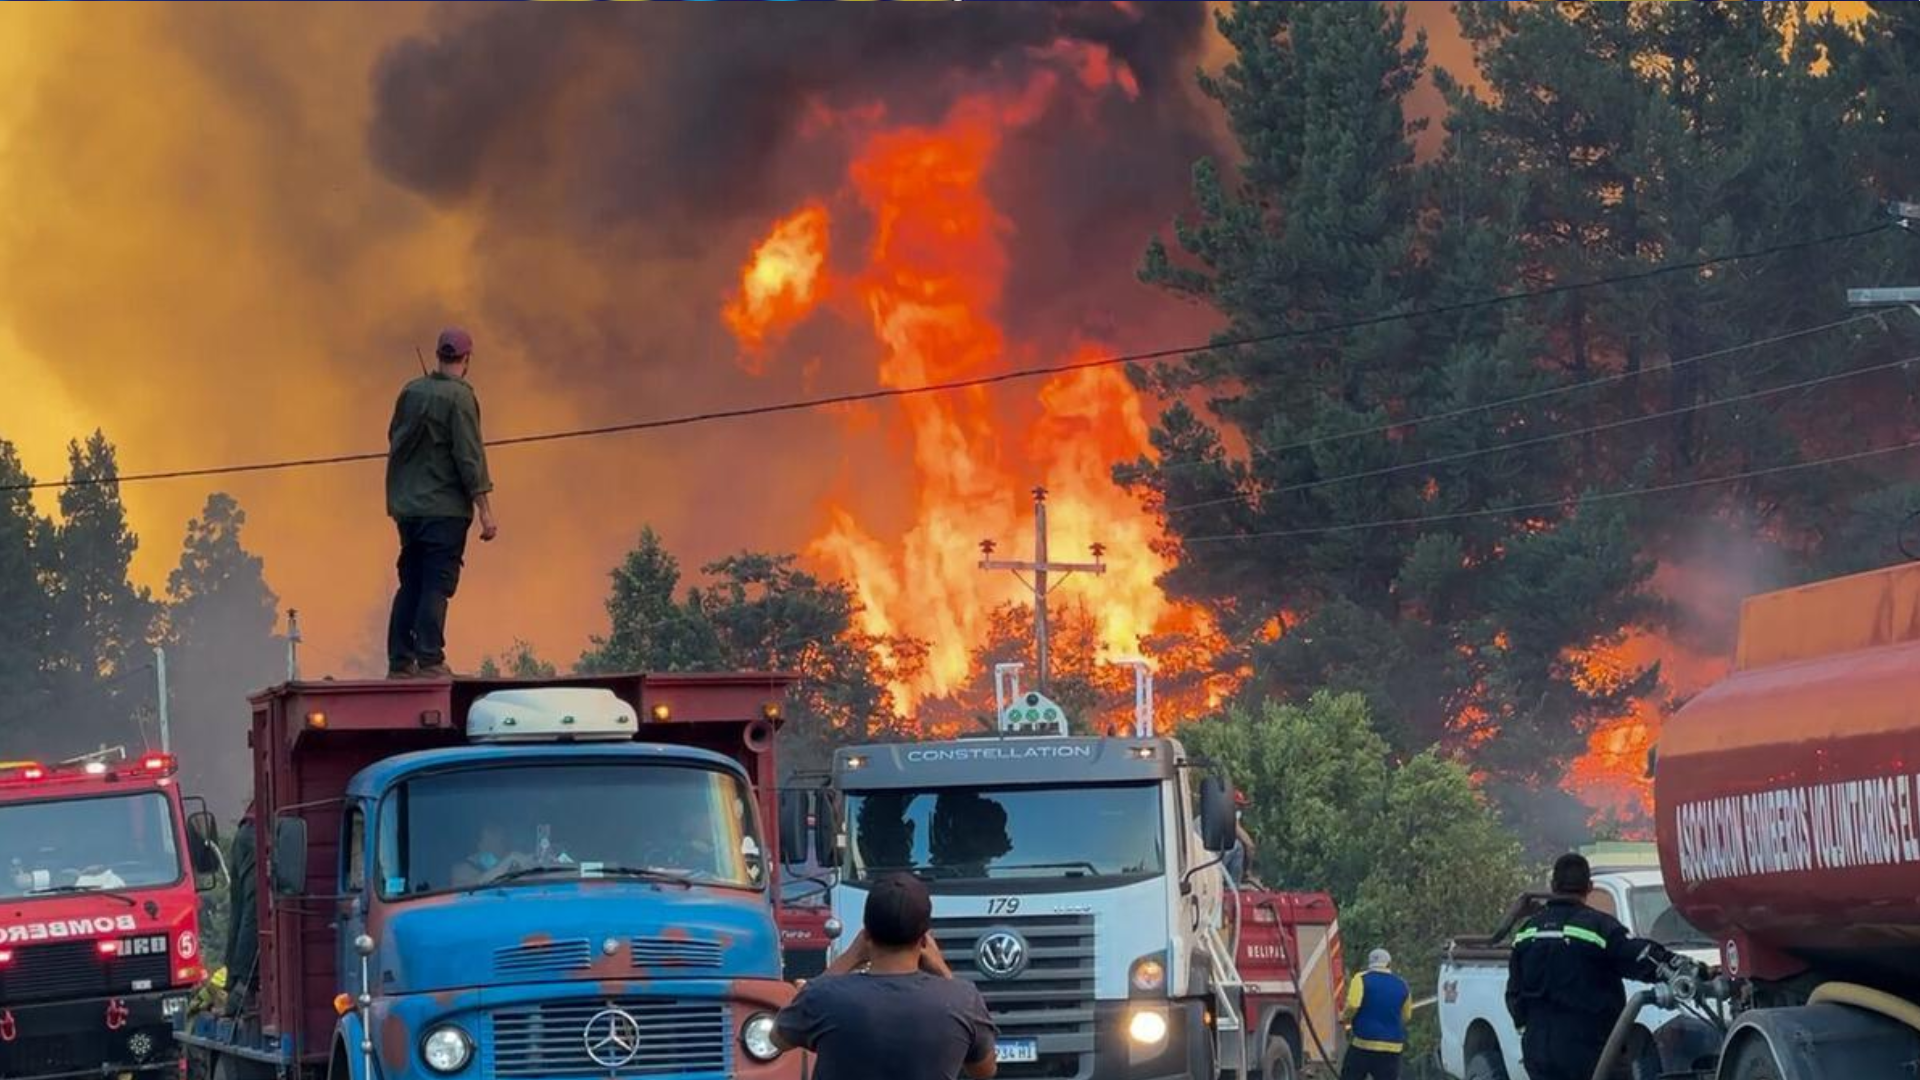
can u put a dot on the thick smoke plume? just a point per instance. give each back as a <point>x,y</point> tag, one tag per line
<point>223,234</point>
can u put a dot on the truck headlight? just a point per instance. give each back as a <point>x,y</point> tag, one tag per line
<point>447,1049</point>
<point>1149,974</point>
<point>1148,1027</point>
<point>757,1036</point>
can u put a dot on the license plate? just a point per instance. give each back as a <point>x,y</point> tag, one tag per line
<point>1016,1051</point>
<point>172,1007</point>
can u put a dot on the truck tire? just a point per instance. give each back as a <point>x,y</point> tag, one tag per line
<point>1280,1061</point>
<point>1486,1064</point>
<point>1754,1061</point>
<point>1646,1063</point>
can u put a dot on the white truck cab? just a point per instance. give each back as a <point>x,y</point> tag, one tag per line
<point>1078,882</point>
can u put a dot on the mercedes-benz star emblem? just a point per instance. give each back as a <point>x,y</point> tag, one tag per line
<point>1001,954</point>
<point>612,1038</point>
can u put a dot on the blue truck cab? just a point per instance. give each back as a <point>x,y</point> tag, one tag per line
<point>529,881</point>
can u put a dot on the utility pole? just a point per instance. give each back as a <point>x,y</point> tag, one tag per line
<point>1907,215</point>
<point>1040,567</point>
<point>293,645</point>
<point>160,672</point>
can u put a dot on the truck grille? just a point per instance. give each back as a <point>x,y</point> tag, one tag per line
<point>548,1041</point>
<point>75,969</point>
<point>1052,1000</point>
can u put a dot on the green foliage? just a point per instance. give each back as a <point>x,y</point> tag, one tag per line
<point>1455,632</point>
<point>102,625</point>
<point>218,628</point>
<point>25,615</point>
<point>1407,846</point>
<point>761,612</point>
<point>518,661</point>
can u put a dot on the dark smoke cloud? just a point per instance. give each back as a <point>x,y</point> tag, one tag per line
<point>676,116</point>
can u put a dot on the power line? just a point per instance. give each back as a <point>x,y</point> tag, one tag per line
<point>1261,450</point>
<point>1017,374</point>
<point>1560,504</point>
<point>1558,436</point>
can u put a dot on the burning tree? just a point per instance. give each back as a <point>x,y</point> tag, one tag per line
<point>1457,633</point>
<point>1297,476</point>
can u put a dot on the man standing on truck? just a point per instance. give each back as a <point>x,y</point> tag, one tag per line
<point>1379,1008</point>
<point>436,479</point>
<point>1563,982</point>
<point>905,1017</point>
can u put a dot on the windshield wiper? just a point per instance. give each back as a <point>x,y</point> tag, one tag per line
<point>516,875</point>
<point>90,890</point>
<point>870,872</point>
<point>640,873</point>
<point>590,870</point>
<point>1091,869</point>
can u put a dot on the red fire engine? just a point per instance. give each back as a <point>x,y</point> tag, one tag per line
<point>99,918</point>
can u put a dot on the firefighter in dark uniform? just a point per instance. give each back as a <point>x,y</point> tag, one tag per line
<point>1564,980</point>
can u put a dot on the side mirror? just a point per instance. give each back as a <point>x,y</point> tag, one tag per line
<point>1217,818</point>
<point>795,826</point>
<point>203,843</point>
<point>289,856</point>
<point>826,830</point>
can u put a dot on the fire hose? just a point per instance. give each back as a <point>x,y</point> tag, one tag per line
<point>1286,954</point>
<point>1622,1029</point>
<point>1865,997</point>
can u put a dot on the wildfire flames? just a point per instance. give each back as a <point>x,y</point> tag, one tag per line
<point>1611,777</point>
<point>781,283</point>
<point>928,288</point>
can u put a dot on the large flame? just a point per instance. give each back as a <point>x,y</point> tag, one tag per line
<point>1612,776</point>
<point>929,291</point>
<point>781,282</point>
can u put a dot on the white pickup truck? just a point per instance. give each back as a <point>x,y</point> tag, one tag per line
<point>1477,1036</point>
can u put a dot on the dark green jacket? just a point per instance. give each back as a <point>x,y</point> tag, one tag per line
<point>436,461</point>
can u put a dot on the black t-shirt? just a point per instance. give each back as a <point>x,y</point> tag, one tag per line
<point>889,1027</point>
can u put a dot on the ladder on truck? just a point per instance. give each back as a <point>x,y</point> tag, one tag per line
<point>1223,970</point>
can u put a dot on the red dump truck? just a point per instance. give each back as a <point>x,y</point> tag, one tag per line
<point>524,880</point>
<point>1789,832</point>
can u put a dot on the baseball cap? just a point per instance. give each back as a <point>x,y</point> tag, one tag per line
<point>1379,960</point>
<point>454,344</point>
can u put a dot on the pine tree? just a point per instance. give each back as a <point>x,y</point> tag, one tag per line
<point>1438,623</point>
<point>651,630</point>
<point>220,622</point>
<point>519,661</point>
<point>102,624</point>
<point>24,614</point>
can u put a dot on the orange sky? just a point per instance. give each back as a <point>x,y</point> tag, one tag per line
<point>198,257</point>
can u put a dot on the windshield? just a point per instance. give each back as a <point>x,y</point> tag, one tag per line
<point>1001,833</point>
<point>536,823</point>
<point>109,842</point>
<point>1654,916</point>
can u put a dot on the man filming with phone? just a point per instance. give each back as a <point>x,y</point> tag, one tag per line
<point>889,1008</point>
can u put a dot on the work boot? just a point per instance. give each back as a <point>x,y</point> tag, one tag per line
<point>405,670</point>
<point>433,671</point>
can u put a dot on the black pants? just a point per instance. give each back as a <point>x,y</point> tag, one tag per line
<point>432,551</point>
<point>1370,1065</point>
<point>1564,1047</point>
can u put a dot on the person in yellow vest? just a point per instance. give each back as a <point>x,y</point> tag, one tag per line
<point>1379,1008</point>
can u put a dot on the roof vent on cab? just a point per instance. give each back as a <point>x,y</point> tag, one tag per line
<point>551,714</point>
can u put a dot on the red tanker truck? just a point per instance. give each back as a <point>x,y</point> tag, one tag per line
<point>1789,831</point>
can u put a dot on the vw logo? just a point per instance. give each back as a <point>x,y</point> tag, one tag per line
<point>612,1038</point>
<point>1001,954</point>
